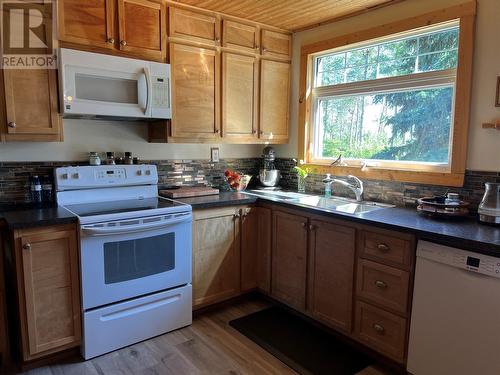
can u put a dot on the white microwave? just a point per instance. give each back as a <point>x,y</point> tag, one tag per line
<point>94,85</point>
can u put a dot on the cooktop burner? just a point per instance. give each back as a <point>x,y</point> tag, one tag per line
<point>116,207</point>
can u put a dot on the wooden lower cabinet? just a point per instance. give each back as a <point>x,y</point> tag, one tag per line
<point>249,245</point>
<point>383,331</point>
<point>216,255</point>
<point>332,248</point>
<point>264,249</point>
<point>289,259</point>
<point>48,282</point>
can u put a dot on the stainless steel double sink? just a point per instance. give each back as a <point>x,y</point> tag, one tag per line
<point>334,204</point>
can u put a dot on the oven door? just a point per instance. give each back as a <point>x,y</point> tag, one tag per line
<point>134,257</point>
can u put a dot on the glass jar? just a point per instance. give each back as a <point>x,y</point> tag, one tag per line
<point>94,158</point>
<point>128,158</point>
<point>110,158</point>
<point>301,184</point>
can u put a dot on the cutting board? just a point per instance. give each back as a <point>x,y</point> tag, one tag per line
<point>189,191</point>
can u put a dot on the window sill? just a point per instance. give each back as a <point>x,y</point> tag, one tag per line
<point>373,173</point>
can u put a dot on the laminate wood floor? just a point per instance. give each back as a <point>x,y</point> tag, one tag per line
<point>208,346</point>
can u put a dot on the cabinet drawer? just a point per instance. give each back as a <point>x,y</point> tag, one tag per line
<point>381,330</point>
<point>383,285</point>
<point>386,248</point>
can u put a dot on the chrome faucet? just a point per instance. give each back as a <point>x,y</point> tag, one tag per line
<point>353,183</point>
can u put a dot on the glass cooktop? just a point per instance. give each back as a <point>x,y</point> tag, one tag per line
<point>116,207</point>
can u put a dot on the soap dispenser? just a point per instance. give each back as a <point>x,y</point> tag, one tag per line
<point>328,185</point>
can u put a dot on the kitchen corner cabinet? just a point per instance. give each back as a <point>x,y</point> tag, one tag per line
<point>31,108</point>
<point>289,259</point>
<point>249,246</point>
<point>226,86</point>
<point>332,248</point>
<point>46,261</point>
<point>216,255</point>
<point>136,28</point>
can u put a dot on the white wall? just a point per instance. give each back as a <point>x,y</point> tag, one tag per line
<point>82,136</point>
<point>484,145</point>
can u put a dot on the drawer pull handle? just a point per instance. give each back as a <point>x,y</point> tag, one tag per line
<point>380,284</point>
<point>12,124</point>
<point>27,246</point>
<point>379,328</point>
<point>383,247</point>
<point>123,43</point>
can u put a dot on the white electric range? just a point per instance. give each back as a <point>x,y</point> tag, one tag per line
<point>135,254</point>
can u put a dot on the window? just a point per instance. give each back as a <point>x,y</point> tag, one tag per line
<point>387,103</point>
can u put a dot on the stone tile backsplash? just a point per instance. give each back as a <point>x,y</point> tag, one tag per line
<point>14,179</point>
<point>398,193</point>
<point>14,176</point>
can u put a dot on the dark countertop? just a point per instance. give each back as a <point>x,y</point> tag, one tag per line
<point>219,200</point>
<point>27,216</point>
<point>467,234</point>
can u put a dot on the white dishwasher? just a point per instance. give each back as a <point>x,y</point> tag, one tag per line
<point>455,321</point>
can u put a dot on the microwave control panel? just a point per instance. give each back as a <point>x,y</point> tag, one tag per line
<point>161,92</point>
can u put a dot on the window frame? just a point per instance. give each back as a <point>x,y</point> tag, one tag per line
<point>451,174</point>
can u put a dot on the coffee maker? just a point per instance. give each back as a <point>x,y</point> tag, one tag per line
<point>269,176</point>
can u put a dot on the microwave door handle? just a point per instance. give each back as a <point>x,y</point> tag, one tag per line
<point>95,231</point>
<point>147,74</point>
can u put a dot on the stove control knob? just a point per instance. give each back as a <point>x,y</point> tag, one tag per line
<point>76,175</point>
<point>64,176</point>
<point>139,172</point>
<point>148,172</point>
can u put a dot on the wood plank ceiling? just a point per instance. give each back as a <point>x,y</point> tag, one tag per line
<point>293,15</point>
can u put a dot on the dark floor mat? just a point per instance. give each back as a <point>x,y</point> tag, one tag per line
<point>302,346</point>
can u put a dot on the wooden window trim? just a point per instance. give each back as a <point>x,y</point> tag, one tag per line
<point>466,13</point>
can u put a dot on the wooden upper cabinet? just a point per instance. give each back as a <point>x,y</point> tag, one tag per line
<point>195,92</point>
<point>274,98</point>
<point>142,28</point>
<point>331,273</point>
<point>31,105</point>
<point>276,45</point>
<point>289,259</point>
<point>88,22</point>
<point>50,292</point>
<point>240,36</point>
<point>194,26</point>
<point>216,255</point>
<point>239,96</point>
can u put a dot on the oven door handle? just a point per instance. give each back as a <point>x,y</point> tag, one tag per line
<point>103,231</point>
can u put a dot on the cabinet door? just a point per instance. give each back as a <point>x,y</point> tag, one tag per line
<point>331,273</point>
<point>274,97</point>
<point>195,92</point>
<point>142,28</point>
<point>276,44</point>
<point>289,259</point>
<point>249,247</point>
<point>51,290</point>
<point>31,105</point>
<point>264,249</point>
<point>199,27</point>
<point>216,256</point>
<point>239,96</point>
<point>239,36</point>
<point>88,23</point>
